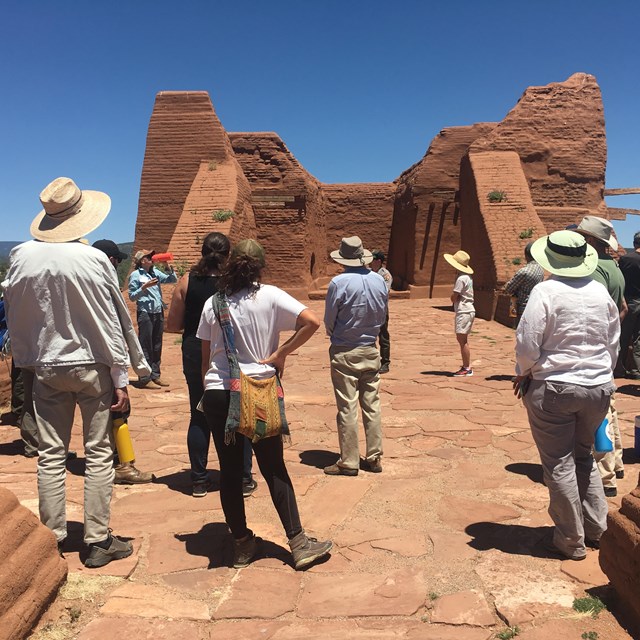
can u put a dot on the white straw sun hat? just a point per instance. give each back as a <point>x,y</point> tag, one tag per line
<point>459,260</point>
<point>69,213</point>
<point>565,253</point>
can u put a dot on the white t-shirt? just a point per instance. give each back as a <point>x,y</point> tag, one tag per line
<point>464,286</point>
<point>257,321</point>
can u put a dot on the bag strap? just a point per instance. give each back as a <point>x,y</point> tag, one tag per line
<point>221,311</point>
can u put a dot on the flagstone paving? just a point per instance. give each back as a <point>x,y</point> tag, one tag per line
<point>444,544</point>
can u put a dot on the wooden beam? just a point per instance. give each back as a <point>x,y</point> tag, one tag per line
<point>622,192</point>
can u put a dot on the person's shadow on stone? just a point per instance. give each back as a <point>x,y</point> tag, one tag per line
<point>318,458</point>
<point>529,469</point>
<point>446,374</point>
<point>509,538</point>
<point>214,542</point>
<point>181,482</point>
<point>15,448</point>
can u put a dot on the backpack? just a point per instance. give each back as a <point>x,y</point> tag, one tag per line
<point>5,347</point>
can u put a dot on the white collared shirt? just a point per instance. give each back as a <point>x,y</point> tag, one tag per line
<point>569,332</point>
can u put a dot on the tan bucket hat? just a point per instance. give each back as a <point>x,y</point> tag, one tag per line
<point>351,253</point>
<point>459,260</point>
<point>69,213</point>
<point>598,228</point>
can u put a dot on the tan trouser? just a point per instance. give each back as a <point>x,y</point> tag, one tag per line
<point>610,462</point>
<point>354,373</point>
<point>55,393</point>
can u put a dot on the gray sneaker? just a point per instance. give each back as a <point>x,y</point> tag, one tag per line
<point>117,550</point>
<point>244,552</point>
<point>306,550</point>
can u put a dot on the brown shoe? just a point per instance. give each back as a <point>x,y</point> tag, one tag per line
<point>335,470</point>
<point>126,473</point>
<point>160,382</point>
<point>375,466</point>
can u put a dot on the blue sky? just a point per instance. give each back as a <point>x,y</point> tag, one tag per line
<point>357,89</point>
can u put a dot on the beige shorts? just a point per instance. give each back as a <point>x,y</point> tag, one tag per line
<point>464,322</point>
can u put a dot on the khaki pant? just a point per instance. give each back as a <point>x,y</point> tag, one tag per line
<point>354,373</point>
<point>610,462</point>
<point>564,418</point>
<point>56,390</point>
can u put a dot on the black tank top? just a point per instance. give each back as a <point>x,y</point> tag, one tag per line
<point>199,290</point>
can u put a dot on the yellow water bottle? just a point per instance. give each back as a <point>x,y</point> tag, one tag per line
<point>123,438</point>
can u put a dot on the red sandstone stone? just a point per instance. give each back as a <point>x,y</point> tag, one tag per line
<point>31,570</point>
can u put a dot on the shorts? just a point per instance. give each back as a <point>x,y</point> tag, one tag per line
<point>464,321</point>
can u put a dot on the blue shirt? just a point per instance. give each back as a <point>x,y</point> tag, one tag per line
<point>355,307</point>
<point>149,300</point>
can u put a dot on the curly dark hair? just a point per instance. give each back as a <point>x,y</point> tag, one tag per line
<point>243,269</point>
<point>215,251</point>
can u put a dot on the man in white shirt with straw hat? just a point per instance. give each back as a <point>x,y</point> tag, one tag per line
<point>566,346</point>
<point>65,311</point>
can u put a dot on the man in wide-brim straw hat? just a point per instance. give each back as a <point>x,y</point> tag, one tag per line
<point>598,233</point>
<point>566,346</point>
<point>70,328</point>
<point>355,309</point>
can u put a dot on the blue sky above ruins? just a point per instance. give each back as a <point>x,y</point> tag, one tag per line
<point>357,90</point>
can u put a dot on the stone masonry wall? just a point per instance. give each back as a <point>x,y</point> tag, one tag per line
<point>620,554</point>
<point>31,569</point>
<point>507,226</point>
<point>183,131</point>
<point>558,131</point>
<point>426,220</point>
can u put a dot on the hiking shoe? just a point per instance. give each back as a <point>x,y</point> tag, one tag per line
<point>245,551</point>
<point>126,473</point>
<point>610,492</point>
<point>141,384</point>
<point>117,549</point>
<point>374,466</point>
<point>248,487</point>
<point>200,488</point>
<point>620,474</point>
<point>463,371</point>
<point>306,550</point>
<point>547,545</point>
<point>159,382</point>
<point>335,470</point>
<point>384,368</point>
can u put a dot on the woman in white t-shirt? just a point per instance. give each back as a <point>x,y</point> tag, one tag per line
<point>258,313</point>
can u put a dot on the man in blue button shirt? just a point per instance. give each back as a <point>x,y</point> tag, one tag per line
<point>144,290</point>
<point>355,309</point>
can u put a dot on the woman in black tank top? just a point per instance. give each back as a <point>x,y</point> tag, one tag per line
<point>189,297</point>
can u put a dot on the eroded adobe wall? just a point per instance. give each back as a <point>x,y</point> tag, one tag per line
<point>426,221</point>
<point>558,131</point>
<point>495,233</point>
<point>364,210</point>
<point>620,554</point>
<point>183,131</point>
<point>288,206</point>
<point>31,569</point>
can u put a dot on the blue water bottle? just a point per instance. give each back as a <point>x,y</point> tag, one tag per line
<point>603,442</point>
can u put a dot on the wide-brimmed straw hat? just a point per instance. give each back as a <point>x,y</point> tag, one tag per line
<point>69,213</point>
<point>351,253</point>
<point>565,253</point>
<point>598,228</point>
<point>459,260</point>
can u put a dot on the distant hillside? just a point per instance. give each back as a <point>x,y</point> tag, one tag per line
<point>6,246</point>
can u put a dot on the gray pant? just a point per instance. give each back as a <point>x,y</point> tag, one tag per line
<point>564,418</point>
<point>55,393</point>
<point>354,373</point>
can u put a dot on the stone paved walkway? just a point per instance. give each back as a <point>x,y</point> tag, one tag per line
<point>443,545</point>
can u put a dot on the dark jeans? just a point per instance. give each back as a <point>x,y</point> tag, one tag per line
<point>385,342</point>
<point>269,455</point>
<point>199,434</point>
<point>150,329</point>
<point>22,404</point>
<point>630,335</point>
